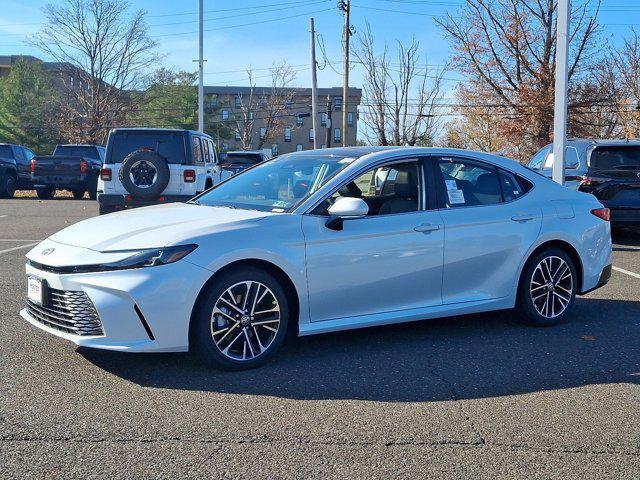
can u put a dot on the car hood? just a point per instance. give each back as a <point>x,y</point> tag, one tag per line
<point>156,226</point>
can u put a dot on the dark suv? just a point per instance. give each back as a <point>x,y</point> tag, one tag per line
<point>608,169</point>
<point>15,169</point>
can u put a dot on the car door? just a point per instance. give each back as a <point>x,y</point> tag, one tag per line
<point>490,223</point>
<point>388,261</point>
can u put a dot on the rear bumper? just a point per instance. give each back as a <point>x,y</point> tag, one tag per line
<point>120,202</point>
<point>62,182</point>
<point>605,276</point>
<point>626,216</point>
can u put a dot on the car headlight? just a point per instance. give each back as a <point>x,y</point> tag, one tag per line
<point>149,257</point>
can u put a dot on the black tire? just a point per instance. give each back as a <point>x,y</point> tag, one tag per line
<point>78,194</point>
<point>540,311</point>
<point>201,336</point>
<point>103,210</point>
<point>8,187</point>
<point>46,193</point>
<point>154,174</point>
<point>92,190</point>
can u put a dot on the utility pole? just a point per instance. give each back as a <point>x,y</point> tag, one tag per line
<point>561,94</point>
<point>314,87</point>
<point>345,6</point>
<point>200,69</point>
<point>328,137</point>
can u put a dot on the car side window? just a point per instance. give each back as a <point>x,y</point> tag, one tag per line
<point>387,190</point>
<point>28,154</point>
<point>571,159</point>
<point>196,148</point>
<point>537,161</point>
<point>512,186</point>
<point>19,154</point>
<point>206,151</point>
<point>468,183</point>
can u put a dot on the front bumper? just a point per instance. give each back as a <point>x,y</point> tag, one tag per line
<point>120,202</point>
<point>164,297</point>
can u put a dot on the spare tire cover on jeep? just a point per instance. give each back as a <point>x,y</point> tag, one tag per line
<point>144,174</point>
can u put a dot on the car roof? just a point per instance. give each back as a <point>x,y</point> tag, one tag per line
<point>603,142</point>
<point>158,130</point>
<point>246,151</point>
<point>77,145</point>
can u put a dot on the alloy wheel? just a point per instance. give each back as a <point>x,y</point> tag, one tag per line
<point>143,174</point>
<point>245,320</point>
<point>551,286</point>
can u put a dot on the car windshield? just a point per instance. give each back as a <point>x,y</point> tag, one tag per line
<point>243,158</point>
<point>612,158</point>
<point>77,151</point>
<point>277,185</point>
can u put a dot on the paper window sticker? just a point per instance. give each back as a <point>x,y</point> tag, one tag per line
<point>456,197</point>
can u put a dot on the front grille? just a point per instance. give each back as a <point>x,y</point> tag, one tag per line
<point>67,311</point>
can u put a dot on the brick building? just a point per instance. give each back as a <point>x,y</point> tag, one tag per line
<point>296,131</point>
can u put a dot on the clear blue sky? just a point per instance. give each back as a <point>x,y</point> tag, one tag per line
<point>233,40</point>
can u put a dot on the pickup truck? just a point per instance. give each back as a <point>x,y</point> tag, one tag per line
<point>15,174</point>
<point>71,167</point>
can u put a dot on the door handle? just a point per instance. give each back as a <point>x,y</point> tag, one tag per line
<point>523,218</point>
<point>427,227</point>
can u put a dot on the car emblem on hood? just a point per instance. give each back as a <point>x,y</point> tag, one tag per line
<point>47,251</point>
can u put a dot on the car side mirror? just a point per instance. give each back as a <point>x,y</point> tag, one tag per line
<point>346,208</point>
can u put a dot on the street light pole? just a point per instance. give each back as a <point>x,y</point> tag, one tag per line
<point>200,69</point>
<point>314,87</point>
<point>561,94</point>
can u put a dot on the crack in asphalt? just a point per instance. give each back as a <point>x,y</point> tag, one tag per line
<point>301,441</point>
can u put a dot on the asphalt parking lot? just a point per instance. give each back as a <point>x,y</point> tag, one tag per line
<point>467,397</point>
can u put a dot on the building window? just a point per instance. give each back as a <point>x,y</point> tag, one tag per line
<point>299,121</point>
<point>251,116</point>
<point>323,119</point>
<point>274,149</point>
<point>299,147</point>
<point>337,134</point>
<point>311,135</point>
<point>238,101</point>
<point>225,115</point>
<point>287,134</point>
<point>350,119</point>
<point>289,104</point>
<point>213,100</point>
<point>238,137</point>
<point>337,103</point>
<point>225,146</point>
<point>263,133</point>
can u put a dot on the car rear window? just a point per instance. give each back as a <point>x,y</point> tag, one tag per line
<point>76,151</point>
<point>611,158</point>
<point>170,146</point>
<point>5,151</point>
<point>243,158</point>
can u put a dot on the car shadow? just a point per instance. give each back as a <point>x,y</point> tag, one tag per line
<point>466,357</point>
<point>625,238</point>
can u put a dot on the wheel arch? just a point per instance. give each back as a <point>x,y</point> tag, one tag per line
<point>269,267</point>
<point>565,247</point>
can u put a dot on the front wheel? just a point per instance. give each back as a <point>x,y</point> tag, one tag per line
<point>547,288</point>
<point>8,187</point>
<point>241,320</point>
<point>46,193</point>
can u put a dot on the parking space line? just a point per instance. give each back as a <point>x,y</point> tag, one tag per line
<point>18,248</point>
<point>627,272</point>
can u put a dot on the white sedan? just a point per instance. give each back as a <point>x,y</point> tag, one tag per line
<point>321,241</point>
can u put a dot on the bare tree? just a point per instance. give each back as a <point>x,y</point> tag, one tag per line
<point>104,54</point>
<point>267,108</point>
<point>624,74</point>
<point>401,100</point>
<point>508,47</point>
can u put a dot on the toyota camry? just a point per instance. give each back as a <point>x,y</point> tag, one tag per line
<point>321,241</point>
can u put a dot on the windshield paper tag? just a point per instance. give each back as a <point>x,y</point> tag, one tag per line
<point>455,197</point>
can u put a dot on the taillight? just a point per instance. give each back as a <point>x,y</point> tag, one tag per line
<point>189,176</point>
<point>603,213</point>
<point>33,165</point>
<point>83,167</point>
<point>105,174</point>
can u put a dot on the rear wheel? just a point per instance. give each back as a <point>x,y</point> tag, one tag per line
<point>241,320</point>
<point>8,187</point>
<point>547,288</point>
<point>93,189</point>
<point>103,210</point>
<point>46,193</point>
<point>78,194</point>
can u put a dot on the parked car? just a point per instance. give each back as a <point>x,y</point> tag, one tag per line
<point>15,169</point>
<point>321,240</point>
<point>608,169</point>
<point>71,167</point>
<point>146,166</point>
<point>240,160</point>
